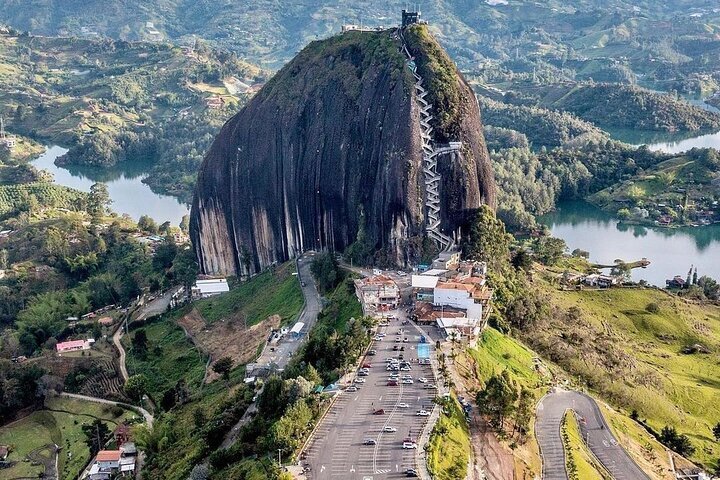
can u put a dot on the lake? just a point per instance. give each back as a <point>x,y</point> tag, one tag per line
<point>670,251</point>
<point>128,193</point>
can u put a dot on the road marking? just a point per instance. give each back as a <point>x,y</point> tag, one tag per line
<point>352,468</point>
<point>322,468</point>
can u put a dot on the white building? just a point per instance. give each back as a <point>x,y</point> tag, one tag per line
<point>458,295</point>
<point>210,288</point>
<point>447,261</point>
<point>460,329</point>
<point>296,329</point>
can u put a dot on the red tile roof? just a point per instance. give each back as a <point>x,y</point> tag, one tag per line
<point>108,456</point>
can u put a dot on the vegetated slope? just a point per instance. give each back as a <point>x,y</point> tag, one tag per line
<point>114,101</point>
<point>272,32</point>
<point>632,354</point>
<point>625,106</point>
<point>330,146</point>
<point>543,127</point>
<point>59,423</point>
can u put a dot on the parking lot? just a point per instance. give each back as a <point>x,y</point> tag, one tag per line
<point>370,430</point>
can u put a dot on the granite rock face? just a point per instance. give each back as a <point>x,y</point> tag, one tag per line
<point>329,146</point>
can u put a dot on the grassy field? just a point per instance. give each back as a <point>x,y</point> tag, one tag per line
<point>270,293</point>
<point>448,451</point>
<point>579,461</point>
<point>60,423</point>
<point>170,358</point>
<point>633,357</point>
<point>495,353</point>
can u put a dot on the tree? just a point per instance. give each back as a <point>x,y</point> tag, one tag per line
<point>716,431</point>
<point>96,435</point>
<point>139,342</point>
<point>199,417</point>
<point>164,227</point>
<point>185,224</point>
<point>99,199</point>
<point>549,249</point>
<point>223,367</point>
<point>271,402</point>
<point>136,386</point>
<point>487,240</point>
<point>200,472</point>
<point>186,269</point>
<point>677,442</point>
<point>3,259</point>
<point>498,398</point>
<point>524,411</point>
<point>326,271</point>
<point>147,224</point>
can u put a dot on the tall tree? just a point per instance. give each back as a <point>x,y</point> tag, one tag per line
<point>99,199</point>
<point>96,435</point>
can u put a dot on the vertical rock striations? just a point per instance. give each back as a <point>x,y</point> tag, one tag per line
<point>330,144</point>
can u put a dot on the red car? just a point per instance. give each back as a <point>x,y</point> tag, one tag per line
<point>379,411</point>
<point>366,365</point>
<point>392,383</point>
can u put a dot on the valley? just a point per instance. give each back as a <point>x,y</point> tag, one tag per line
<point>312,240</point>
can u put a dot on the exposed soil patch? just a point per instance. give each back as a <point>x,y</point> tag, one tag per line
<point>229,338</point>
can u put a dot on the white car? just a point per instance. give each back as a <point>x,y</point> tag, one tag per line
<point>405,369</point>
<point>422,380</point>
<point>423,413</point>
<point>409,445</point>
<point>359,380</point>
<point>389,429</point>
<point>351,389</point>
<point>403,405</point>
<point>407,381</point>
<point>378,337</point>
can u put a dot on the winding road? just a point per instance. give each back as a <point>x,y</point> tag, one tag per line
<point>146,415</point>
<point>594,429</point>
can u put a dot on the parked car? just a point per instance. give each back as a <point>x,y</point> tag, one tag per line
<point>369,441</point>
<point>409,445</point>
<point>379,411</point>
<point>366,365</point>
<point>423,413</point>
<point>392,383</point>
<point>359,380</point>
<point>389,429</point>
<point>403,405</point>
<point>372,352</point>
<point>422,380</point>
<point>411,472</point>
<point>351,389</point>
<point>407,381</point>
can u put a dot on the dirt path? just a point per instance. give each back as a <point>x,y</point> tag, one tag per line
<point>490,459</point>
<point>146,415</point>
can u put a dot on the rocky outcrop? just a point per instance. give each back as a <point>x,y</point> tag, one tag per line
<point>330,146</point>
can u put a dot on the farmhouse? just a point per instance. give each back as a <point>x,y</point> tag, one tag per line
<point>74,345</point>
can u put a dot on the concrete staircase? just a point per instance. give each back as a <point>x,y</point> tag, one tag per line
<point>430,158</point>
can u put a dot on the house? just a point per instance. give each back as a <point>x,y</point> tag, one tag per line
<point>214,102</point>
<point>459,328</point>
<point>676,282</point>
<point>108,463</point>
<point>424,287</point>
<point>458,295</point>
<point>4,452</point>
<point>447,261</point>
<point>210,288</point>
<point>378,292</point>
<point>601,281</point>
<point>74,345</point>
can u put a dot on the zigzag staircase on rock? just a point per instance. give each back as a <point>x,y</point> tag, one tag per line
<point>430,156</point>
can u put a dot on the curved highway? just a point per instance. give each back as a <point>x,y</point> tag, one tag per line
<point>594,429</point>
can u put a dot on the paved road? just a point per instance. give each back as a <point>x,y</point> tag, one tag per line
<point>147,415</point>
<point>337,449</point>
<point>158,305</point>
<point>285,349</point>
<point>593,427</point>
